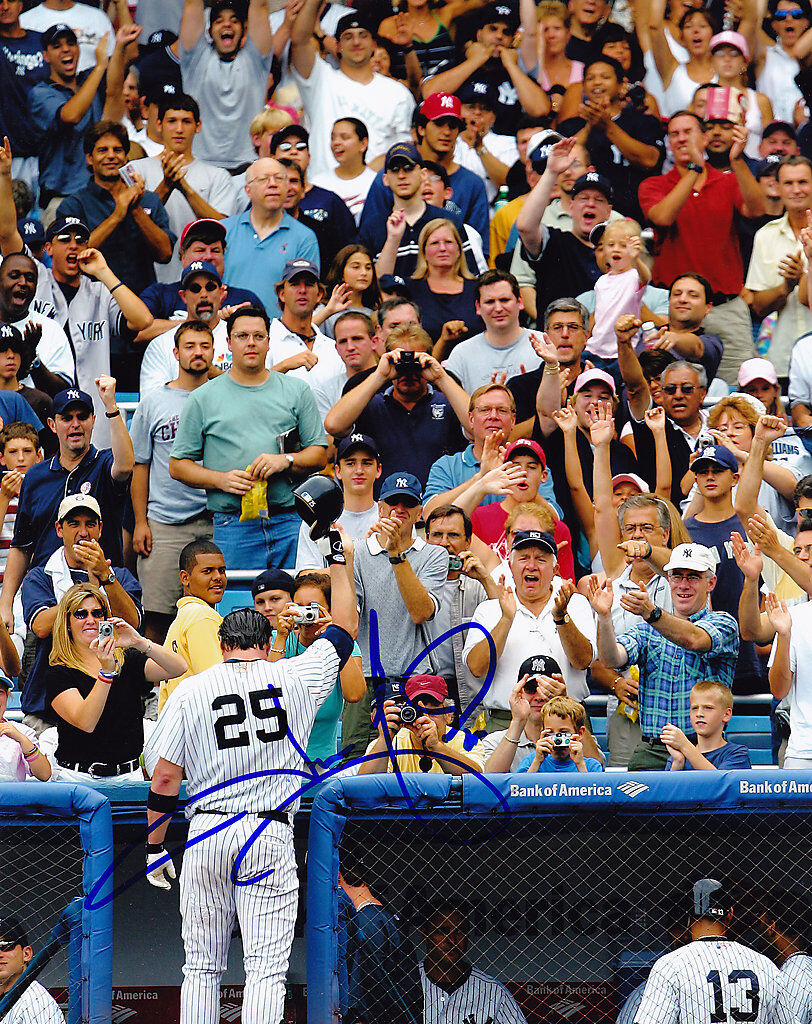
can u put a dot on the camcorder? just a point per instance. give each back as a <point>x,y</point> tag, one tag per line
<point>305,615</point>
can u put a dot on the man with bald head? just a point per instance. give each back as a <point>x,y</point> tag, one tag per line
<point>262,240</point>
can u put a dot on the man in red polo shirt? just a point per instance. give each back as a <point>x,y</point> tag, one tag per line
<point>692,210</point>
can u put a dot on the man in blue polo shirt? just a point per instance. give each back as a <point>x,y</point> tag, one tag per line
<point>78,468</point>
<point>263,239</point>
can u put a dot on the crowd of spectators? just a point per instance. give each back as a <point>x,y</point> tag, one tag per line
<point>530,281</point>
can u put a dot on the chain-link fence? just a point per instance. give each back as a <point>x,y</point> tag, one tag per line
<point>567,910</point>
<point>54,845</point>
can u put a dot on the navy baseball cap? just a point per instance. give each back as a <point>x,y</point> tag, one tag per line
<point>403,153</point>
<point>539,148</point>
<point>593,180</point>
<point>50,35</point>
<point>200,267</point>
<point>12,931</point>
<point>352,20</point>
<point>401,485</point>
<point>352,442</point>
<point>10,335</point>
<point>301,266</point>
<point>239,8</point>
<point>539,665</point>
<point>500,12</point>
<point>62,224</point>
<point>478,92</point>
<point>71,396</point>
<point>273,579</point>
<point>534,539</point>
<point>32,231</point>
<point>718,455</point>
<point>157,92</point>
<point>393,283</point>
<point>296,131</point>
<point>163,37</point>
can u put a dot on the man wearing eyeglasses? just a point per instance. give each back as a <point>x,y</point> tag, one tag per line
<point>263,238</point>
<point>230,438</point>
<point>202,292</point>
<point>35,1004</point>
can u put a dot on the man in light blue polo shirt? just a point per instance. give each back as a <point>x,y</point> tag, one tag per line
<point>264,238</point>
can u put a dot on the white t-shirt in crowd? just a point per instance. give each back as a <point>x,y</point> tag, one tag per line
<point>159,364</point>
<point>503,147</point>
<point>353,190</point>
<point>356,524</point>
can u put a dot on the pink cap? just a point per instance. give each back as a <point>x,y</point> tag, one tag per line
<point>730,38</point>
<point>432,686</point>
<point>595,376</point>
<point>524,443</point>
<point>756,369</point>
<point>631,478</point>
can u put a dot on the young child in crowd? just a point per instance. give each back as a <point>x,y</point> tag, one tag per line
<point>619,289</point>
<point>19,450</point>
<point>20,756</point>
<point>560,748</point>
<point>711,709</point>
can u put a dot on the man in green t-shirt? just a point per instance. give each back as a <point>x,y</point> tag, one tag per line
<point>248,426</point>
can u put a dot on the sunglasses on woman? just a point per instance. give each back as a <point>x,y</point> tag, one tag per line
<point>796,14</point>
<point>82,613</point>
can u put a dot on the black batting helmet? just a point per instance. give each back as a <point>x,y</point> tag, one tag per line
<point>709,899</point>
<point>319,501</point>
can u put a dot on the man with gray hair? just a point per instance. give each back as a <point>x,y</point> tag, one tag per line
<point>683,387</point>
<point>672,650</point>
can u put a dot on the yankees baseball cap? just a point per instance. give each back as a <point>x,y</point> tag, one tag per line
<point>539,148</point>
<point>205,229</point>
<point>64,224</point>
<point>481,93</point>
<point>163,37</point>
<point>71,396</point>
<point>534,539</point>
<point>691,556</point>
<point>295,267</point>
<point>597,233</point>
<point>295,131</point>
<point>440,105</point>
<point>500,12</point>
<point>716,455</point>
<point>709,899</point>
<point>395,284</point>
<point>239,7</point>
<point>426,685</point>
<point>273,579</point>
<point>10,338</point>
<point>403,153</point>
<point>157,92</point>
<point>11,931</point>
<point>595,181</point>
<point>768,166</point>
<point>526,446</point>
<point>353,20</point>
<point>401,485</point>
<point>75,501</point>
<point>594,376</point>
<point>538,665</point>
<point>31,230</point>
<point>352,442</point>
<point>50,35</point>
<point>200,267</point>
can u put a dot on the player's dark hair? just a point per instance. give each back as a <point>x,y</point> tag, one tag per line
<point>188,556</point>
<point>244,628</point>
<point>445,512</point>
<point>180,101</point>
<point>254,311</point>
<point>792,913</point>
<point>14,431</point>
<point>100,129</point>
<point>388,305</point>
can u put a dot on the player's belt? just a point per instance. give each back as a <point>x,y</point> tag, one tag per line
<point>279,816</point>
<point>99,770</point>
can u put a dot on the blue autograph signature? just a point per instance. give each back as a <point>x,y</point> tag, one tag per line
<point>312,777</point>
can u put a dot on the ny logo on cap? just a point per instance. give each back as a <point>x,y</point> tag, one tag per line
<point>688,552</point>
<point>197,265</point>
<point>592,176</point>
<point>30,228</point>
<point>401,482</point>
<point>5,331</point>
<point>72,394</point>
<point>356,437</point>
<point>503,11</point>
<point>447,101</point>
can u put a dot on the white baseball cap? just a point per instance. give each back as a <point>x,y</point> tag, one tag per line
<point>691,556</point>
<point>631,478</point>
<point>756,369</point>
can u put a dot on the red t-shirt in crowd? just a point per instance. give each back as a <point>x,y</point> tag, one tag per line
<point>703,239</point>
<point>489,526</point>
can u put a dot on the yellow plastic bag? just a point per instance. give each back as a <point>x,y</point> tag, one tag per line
<point>255,503</point>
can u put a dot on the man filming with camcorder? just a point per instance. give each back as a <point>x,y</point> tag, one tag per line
<point>415,732</point>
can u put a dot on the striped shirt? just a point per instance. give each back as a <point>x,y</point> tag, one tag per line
<point>668,671</point>
<point>797,972</point>
<point>480,999</point>
<point>714,979</point>
<point>240,730</point>
<point>35,1006</point>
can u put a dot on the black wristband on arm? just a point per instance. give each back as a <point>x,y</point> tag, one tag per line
<point>161,802</point>
<point>341,640</point>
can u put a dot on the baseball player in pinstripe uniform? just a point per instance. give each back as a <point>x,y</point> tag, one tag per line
<point>35,1005</point>
<point>239,730</point>
<point>713,979</point>
<point>455,992</point>
<point>787,922</point>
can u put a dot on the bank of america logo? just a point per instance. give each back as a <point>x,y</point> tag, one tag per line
<point>231,1012</point>
<point>633,789</point>
<point>567,1008</point>
<point>122,1013</point>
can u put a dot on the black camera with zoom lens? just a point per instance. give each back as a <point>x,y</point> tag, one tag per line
<point>408,713</point>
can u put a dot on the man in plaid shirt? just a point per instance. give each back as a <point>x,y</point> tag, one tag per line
<point>673,650</point>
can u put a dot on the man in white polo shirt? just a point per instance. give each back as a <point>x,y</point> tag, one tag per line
<point>543,616</point>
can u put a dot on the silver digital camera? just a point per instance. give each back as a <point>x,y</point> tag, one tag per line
<point>306,615</point>
<point>106,628</point>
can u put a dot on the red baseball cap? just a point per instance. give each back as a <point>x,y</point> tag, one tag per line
<point>431,686</point>
<point>441,104</point>
<point>205,229</point>
<point>527,445</point>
